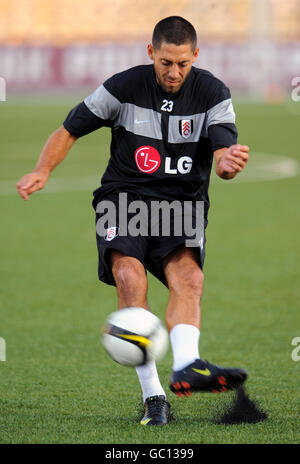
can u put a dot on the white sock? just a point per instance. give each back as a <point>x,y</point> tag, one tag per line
<point>185,345</point>
<point>149,380</point>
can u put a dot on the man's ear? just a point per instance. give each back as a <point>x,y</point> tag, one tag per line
<point>195,56</point>
<point>150,51</point>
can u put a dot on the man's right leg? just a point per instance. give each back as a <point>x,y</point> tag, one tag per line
<point>131,283</point>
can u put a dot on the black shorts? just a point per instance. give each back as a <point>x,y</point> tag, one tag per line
<point>152,244</point>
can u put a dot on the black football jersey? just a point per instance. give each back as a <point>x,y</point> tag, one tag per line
<point>162,144</point>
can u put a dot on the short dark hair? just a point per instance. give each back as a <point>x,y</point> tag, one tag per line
<point>175,30</point>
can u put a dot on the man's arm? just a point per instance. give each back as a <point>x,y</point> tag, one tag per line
<point>230,161</point>
<point>54,151</point>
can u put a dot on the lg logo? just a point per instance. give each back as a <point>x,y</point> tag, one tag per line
<point>184,165</point>
<point>148,160</point>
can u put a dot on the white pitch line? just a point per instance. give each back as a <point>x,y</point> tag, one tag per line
<point>260,167</point>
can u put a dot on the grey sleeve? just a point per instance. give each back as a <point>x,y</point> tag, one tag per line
<point>97,110</point>
<point>220,119</point>
<point>103,104</point>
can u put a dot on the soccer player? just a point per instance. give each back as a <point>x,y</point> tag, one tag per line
<point>169,120</point>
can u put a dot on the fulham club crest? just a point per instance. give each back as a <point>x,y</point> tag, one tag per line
<point>111,233</point>
<point>186,127</point>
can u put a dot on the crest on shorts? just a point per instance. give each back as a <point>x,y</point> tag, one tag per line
<point>111,233</point>
<point>186,127</point>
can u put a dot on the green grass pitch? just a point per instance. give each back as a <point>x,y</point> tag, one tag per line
<point>57,384</point>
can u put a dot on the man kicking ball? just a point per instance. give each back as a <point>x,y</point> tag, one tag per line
<point>169,120</point>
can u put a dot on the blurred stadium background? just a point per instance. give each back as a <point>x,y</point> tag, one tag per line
<point>252,44</point>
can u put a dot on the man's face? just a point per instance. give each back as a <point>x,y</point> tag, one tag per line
<point>172,64</point>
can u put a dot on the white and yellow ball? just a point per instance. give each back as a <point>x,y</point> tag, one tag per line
<point>133,336</point>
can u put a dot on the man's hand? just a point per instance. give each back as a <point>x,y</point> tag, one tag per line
<point>230,161</point>
<point>30,183</point>
<point>53,152</point>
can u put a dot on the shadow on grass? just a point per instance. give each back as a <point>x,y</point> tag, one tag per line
<point>240,410</point>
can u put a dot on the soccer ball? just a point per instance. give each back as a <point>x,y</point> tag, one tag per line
<point>133,336</point>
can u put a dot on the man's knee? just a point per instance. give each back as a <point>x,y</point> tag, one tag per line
<point>189,282</point>
<point>184,276</point>
<point>129,273</point>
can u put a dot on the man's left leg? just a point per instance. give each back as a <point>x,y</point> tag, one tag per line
<point>185,282</point>
<point>190,373</point>
<point>183,314</point>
